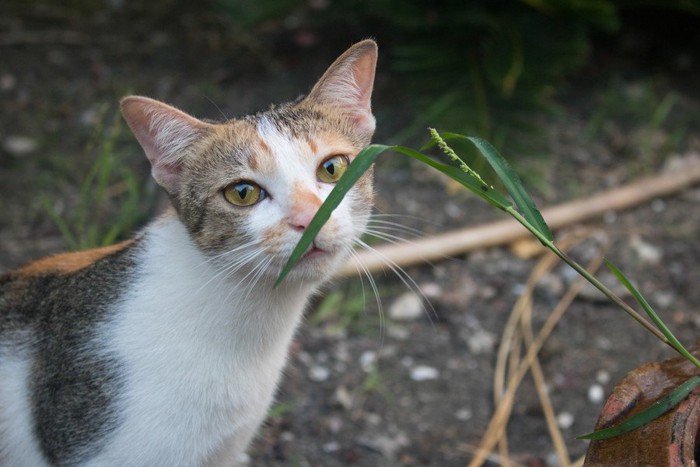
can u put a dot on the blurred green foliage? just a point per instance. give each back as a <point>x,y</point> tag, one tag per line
<point>481,67</point>
<point>110,202</point>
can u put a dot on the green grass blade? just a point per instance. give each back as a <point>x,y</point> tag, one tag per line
<point>653,412</point>
<point>60,223</point>
<point>355,170</point>
<point>476,186</point>
<point>511,181</point>
<point>652,314</point>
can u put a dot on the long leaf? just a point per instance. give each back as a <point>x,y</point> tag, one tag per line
<point>355,170</point>
<point>474,185</point>
<point>511,181</point>
<point>652,412</point>
<point>652,314</point>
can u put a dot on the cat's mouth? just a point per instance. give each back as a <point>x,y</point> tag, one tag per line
<point>313,252</point>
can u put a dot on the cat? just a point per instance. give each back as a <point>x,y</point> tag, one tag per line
<point>167,349</point>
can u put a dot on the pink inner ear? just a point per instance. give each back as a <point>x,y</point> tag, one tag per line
<point>167,175</point>
<point>166,135</point>
<point>349,81</point>
<point>363,72</point>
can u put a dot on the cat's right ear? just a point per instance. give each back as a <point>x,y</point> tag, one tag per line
<point>348,83</point>
<point>165,133</point>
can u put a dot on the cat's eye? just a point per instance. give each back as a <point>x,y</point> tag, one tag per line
<point>332,169</point>
<point>243,193</point>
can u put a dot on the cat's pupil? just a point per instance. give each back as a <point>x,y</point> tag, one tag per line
<point>243,191</point>
<point>330,167</point>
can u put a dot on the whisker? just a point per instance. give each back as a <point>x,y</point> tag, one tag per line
<point>362,269</point>
<point>407,280</point>
<point>232,267</point>
<point>394,227</point>
<point>422,220</point>
<point>387,237</point>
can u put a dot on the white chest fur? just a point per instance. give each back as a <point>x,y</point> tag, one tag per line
<point>201,358</point>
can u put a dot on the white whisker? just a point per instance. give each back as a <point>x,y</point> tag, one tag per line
<point>402,275</point>
<point>362,270</point>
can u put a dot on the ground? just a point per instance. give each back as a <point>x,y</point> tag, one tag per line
<point>365,387</point>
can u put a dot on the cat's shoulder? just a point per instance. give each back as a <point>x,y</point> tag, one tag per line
<point>67,263</point>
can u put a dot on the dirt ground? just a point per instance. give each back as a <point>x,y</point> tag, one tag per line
<point>398,387</point>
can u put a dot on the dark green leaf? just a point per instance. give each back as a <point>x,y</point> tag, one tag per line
<point>652,412</point>
<point>511,181</point>
<point>478,188</point>
<point>652,314</point>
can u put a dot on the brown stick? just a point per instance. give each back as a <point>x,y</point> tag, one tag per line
<point>497,233</point>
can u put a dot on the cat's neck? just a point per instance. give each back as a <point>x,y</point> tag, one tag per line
<point>189,294</point>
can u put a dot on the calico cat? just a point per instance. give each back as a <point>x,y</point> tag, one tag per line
<point>166,349</point>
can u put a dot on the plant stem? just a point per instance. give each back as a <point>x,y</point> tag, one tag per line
<point>590,278</point>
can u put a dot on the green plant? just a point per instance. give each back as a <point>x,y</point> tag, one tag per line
<point>109,204</point>
<point>523,210</point>
<point>338,319</point>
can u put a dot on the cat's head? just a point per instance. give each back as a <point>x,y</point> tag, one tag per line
<point>247,188</point>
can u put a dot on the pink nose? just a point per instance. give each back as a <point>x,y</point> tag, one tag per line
<point>300,220</point>
<point>304,206</point>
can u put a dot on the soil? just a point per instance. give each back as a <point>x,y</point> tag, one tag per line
<point>364,386</point>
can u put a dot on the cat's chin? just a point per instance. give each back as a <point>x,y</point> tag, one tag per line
<point>316,265</point>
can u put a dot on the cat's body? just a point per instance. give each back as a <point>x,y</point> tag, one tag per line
<point>167,349</point>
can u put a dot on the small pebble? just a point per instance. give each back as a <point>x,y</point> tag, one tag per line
<point>7,82</point>
<point>658,205</point>
<point>373,418</point>
<point>565,420</point>
<point>334,424</point>
<point>596,394</point>
<point>18,145</point>
<point>464,414</point>
<point>646,252</point>
<point>319,373</point>
<point>431,290</point>
<point>398,332</point>
<point>368,359</point>
<point>407,307</point>
<point>424,373</point>
<point>602,376</point>
<point>331,446</point>
<point>407,361</point>
<point>343,397</point>
<point>481,342</point>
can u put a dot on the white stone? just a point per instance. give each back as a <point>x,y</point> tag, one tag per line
<point>368,359</point>
<point>464,414</point>
<point>565,420</point>
<point>407,307</point>
<point>18,145</point>
<point>424,373</point>
<point>602,376</point>
<point>646,252</point>
<point>596,393</point>
<point>481,342</point>
<point>319,373</point>
<point>331,446</point>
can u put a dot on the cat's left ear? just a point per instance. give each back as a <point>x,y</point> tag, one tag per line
<point>166,134</point>
<point>348,83</point>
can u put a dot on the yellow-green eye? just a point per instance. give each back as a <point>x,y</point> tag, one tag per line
<point>332,169</point>
<point>243,193</point>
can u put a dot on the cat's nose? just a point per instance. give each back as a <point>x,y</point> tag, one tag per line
<point>304,208</point>
<point>300,221</point>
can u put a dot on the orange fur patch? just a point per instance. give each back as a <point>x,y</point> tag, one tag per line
<point>66,263</point>
<point>303,199</point>
<point>313,146</point>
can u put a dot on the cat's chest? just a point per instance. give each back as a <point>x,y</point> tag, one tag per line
<point>200,358</point>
